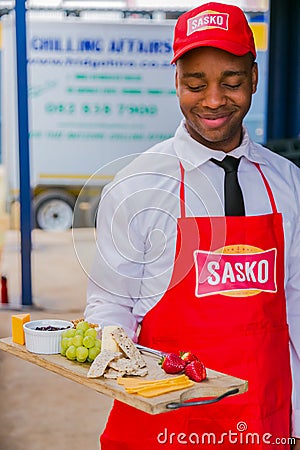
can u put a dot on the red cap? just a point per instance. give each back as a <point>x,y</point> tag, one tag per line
<point>213,25</point>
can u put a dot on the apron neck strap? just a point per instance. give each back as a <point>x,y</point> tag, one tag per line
<point>269,191</point>
<point>182,191</point>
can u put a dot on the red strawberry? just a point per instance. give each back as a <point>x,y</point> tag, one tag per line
<point>195,370</point>
<point>172,363</point>
<point>188,357</point>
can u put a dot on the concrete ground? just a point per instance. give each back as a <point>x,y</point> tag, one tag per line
<point>40,410</point>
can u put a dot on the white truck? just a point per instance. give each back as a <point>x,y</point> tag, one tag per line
<point>98,93</point>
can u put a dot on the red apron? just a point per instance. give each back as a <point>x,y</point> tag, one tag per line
<point>226,303</point>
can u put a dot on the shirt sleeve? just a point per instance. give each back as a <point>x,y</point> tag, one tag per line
<point>135,242</point>
<point>293,309</point>
<point>115,277</point>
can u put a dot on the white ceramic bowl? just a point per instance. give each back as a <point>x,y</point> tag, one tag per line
<point>44,342</point>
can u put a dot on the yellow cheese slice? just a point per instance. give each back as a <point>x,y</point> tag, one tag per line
<point>17,321</point>
<point>133,382</point>
<point>152,388</point>
<point>155,391</point>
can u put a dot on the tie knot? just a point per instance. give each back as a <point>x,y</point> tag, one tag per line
<point>229,163</point>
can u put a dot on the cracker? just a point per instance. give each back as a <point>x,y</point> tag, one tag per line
<point>113,374</point>
<point>140,372</point>
<point>128,347</point>
<point>124,365</point>
<point>101,362</point>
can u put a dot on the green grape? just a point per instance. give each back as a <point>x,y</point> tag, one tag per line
<point>69,342</point>
<point>93,352</point>
<point>63,346</point>
<point>64,342</point>
<point>88,341</point>
<point>77,340</point>
<point>91,332</point>
<point>81,354</point>
<point>80,332</point>
<point>63,351</point>
<point>71,352</point>
<point>69,333</point>
<point>98,343</point>
<point>63,334</point>
<point>82,326</point>
<point>80,343</point>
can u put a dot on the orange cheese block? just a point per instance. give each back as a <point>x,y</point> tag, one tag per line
<point>17,322</point>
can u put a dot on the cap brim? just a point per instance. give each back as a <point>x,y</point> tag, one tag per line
<point>228,46</point>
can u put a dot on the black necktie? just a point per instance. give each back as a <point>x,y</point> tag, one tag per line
<point>234,203</point>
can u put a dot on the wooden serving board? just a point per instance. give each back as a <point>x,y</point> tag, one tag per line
<point>215,385</point>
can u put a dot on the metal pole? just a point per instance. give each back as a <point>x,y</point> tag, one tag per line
<point>24,160</point>
<point>293,98</point>
<point>278,69</point>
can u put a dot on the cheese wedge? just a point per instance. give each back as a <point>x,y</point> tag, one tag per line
<point>17,322</point>
<point>108,342</point>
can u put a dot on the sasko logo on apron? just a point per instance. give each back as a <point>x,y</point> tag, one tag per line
<point>237,270</point>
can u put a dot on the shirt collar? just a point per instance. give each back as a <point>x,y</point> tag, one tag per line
<point>193,154</point>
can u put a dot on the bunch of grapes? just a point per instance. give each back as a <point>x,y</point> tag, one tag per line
<point>80,343</point>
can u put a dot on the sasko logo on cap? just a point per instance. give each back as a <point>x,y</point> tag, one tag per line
<point>206,20</point>
<point>213,25</point>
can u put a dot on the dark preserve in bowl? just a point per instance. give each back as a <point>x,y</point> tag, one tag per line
<point>51,328</point>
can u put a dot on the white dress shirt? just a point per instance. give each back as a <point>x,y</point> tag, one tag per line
<point>136,228</point>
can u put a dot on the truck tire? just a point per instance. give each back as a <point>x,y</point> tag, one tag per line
<point>53,210</point>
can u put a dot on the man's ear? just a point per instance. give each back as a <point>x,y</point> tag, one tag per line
<point>254,77</point>
<point>176,82</point>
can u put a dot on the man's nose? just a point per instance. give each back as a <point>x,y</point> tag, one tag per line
<point>213,97</point>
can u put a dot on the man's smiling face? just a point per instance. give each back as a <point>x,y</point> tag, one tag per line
<point>215,89</point>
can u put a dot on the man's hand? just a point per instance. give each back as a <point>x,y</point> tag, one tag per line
<point>296,446</point>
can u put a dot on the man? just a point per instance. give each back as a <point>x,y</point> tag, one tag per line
<point>195,269</point>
